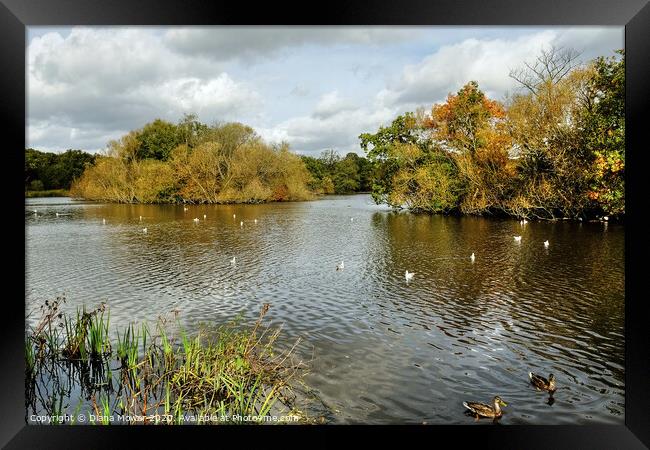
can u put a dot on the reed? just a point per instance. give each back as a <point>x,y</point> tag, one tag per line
<point>224,372</point>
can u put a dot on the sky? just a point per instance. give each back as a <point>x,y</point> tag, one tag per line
<point>316,88</point>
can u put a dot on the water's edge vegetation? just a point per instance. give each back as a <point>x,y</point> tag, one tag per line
<point>554,149</point>
<point>152,375</point>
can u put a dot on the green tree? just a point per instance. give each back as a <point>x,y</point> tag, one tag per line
<point>603,124</point>
<point>405,129</point>
<point>157,139</point>
<point>346,175</point>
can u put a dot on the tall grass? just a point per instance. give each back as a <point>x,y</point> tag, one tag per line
<point>224,372</point>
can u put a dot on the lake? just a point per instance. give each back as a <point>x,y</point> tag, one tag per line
<point>380,350</point>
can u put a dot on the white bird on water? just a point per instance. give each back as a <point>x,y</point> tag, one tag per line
<point>241,224</point>
<point>234,216</point>
<point>472,257</point>
<point>351,219</point>
<point>255,220</point>
<point>140,218</point>
<point>546,243</point>
<point>184,208</point>
<point>518,238</point>
<point>340,266</point>
<point>196,219</point>
<point>104,221</point>
<point>144,230</point>
<point>205,216</point>
<point>408,275</point>
<point>523,221</point>
<point>232,261</point>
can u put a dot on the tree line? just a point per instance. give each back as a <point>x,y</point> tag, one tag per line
<point>192,162</point>
<point>555,148</point>
<point>333,174</point>
<point>49,171</point>
<point>189,161</point>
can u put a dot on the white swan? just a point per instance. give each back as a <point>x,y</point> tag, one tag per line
<point>518,238</point>
<point>241,224</point>
<point>340,266</point>
<point>546,243</point>
<point>144,230</point>
<point>408,275</point>
<point>196,219</point>
<point>232,261</point>
<point>472,257</point>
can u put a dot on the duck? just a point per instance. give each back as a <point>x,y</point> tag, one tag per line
<point>408,275</point>
<point>340,266</point>
<point>542,383</point>
<point>472,257</point>
<point>546,243</point>
<point>483,410</point>
<point>518,238</point>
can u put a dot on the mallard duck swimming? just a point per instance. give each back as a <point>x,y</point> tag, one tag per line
<point>483,410</point>
<point>542,383</point>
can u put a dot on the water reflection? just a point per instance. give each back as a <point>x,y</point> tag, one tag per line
<point>384,351</point>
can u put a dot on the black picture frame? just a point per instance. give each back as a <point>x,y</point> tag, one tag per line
<point>16,15</point>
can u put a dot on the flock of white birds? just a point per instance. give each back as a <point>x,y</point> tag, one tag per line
<point>407,275</point>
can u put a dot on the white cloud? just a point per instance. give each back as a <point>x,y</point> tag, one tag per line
<point>110,79</point>
<point>338,131</point>
<point>91,85</point>
<point>262,42</point>
<point>331,104</point>
<point>489,62</point>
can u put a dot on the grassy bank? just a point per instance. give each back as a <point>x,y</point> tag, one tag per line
<point>153,375</point>
<point>48,193</point>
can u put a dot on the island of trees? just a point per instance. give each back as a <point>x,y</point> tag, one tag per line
<point>555,148</point>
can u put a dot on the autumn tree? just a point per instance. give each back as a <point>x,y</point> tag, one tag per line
<point>603,124</point>
<point>471,127</point>
<point>552,163</point>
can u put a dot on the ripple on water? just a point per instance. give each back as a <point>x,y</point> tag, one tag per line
<point>381,350</point>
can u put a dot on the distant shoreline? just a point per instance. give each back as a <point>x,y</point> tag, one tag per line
<point>48,193</point>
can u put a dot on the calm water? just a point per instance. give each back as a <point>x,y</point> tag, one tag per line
<point>381,350</point>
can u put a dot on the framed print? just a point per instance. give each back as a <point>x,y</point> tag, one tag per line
<point>372,219</point>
